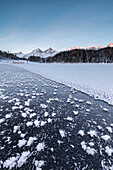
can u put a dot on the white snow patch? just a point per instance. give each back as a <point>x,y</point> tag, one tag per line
<point>109,150</point>
<point>2,120</point>
<point>91,144</point>
<point>32,115</point>
<point>11,162</point>
<point>87,110</point>
<point>111,124</point>
<point>81,101</point>
<point>81,132</point>
<point>29,123</point>
<point>89,150</point>
<point>43,123</point>
<point>37,123</point>
<point>39,164</point>
<point>52,149</point>
<point>99,127</point>
<point>89,103</point>
<point>83,145</point>
<point>21,143</point>
<point>23,158</point>
<point>16,128</point>
<point>14,108</point>
<point>7,116</point>
<point>105,109</point>
<point>31,140</point>
<point>45,114</point>
<point>75,113</point>
<point>20,106</point>
<point>92,133</point>
<point>105,137</point>
<point>22,135</point>
<point>24,115</point>
<point>77,105</point>
<point>62,133</point>
<point>43,106</point>
<point>27,103</point>
<point>40,146</point>
<point>49,120</point>
<point>69,118</point>
<point>109,129</point>
<point>53,114</point>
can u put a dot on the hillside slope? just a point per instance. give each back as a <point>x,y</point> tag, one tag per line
<point>84,56</point>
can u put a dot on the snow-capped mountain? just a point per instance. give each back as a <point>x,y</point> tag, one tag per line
<point>20,54</point>
<point>72,48</point>
<point>86,48</point>
<point>89,48</point>
<point>110,45</point>
<point>51,52</point>
<point>44,54</point>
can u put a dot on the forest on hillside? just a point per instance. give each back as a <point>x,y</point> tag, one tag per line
<point>84,56</point>
<point>104,55</point>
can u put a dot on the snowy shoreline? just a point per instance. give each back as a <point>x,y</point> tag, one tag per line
<point>94,79</point>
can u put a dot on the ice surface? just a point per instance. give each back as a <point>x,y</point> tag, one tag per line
<point>50,129</point>
<point>94,79</point>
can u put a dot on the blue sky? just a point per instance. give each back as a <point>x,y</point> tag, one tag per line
<point>29,24</point>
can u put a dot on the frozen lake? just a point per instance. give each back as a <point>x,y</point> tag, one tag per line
<point>47,125</point>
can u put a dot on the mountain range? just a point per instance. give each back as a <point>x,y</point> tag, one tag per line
<point>38,52</point>
<point>89,48</point>
<point>51,52</point>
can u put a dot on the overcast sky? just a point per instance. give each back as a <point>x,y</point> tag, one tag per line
<point>29,24</point>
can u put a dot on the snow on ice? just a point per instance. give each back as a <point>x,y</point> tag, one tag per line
<point>62,133</point>
<point>105,137</point>
<point>81,132</point>
<point>94,79</point>
<point>40,147</point>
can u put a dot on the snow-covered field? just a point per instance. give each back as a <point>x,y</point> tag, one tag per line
<point>93,79</point>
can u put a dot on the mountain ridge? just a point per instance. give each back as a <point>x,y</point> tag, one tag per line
<point>49,52</point>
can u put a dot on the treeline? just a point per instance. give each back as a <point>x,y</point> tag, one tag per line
<point>104,55</point>
<point>36,59</point>
<point>5,55</point>
<point>84,56</point>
